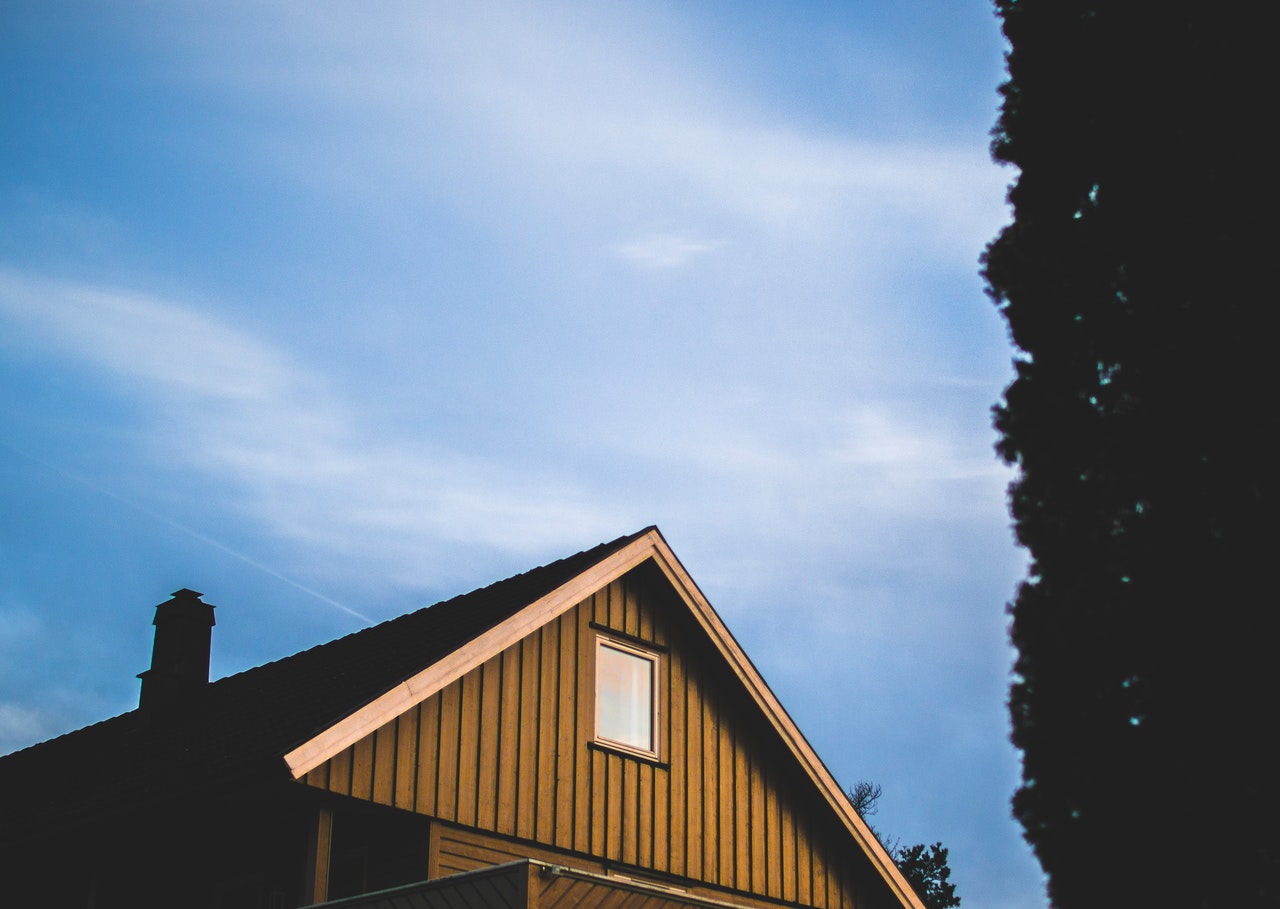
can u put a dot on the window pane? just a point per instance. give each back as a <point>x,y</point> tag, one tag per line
<point>624,690</point>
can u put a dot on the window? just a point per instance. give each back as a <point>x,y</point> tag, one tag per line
<point>626,697</point>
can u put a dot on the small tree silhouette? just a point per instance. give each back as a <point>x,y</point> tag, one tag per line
<point>924,867</point>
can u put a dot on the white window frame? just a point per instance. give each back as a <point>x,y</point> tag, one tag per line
<point>654,659</point>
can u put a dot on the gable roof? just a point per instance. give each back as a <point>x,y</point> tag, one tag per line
<point>235,730</point>
<point>281,719</point>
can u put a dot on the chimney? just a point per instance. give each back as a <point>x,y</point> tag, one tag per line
<point>180,656</point>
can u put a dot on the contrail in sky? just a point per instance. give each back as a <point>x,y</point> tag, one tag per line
<point>182,528</point>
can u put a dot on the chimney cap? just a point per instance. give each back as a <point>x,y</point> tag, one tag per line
<point>185,605</point>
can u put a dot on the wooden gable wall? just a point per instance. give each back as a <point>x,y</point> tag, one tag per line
<point>507,749</point>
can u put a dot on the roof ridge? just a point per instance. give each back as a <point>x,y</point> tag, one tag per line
<point>453,600</point>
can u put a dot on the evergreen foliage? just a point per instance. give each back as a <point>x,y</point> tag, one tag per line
<point>1141,420</point>
<point>924,867</point>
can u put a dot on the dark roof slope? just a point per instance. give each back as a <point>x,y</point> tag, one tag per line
<point>234,734</point>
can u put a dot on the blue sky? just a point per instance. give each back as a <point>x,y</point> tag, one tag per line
<point>331,311</point>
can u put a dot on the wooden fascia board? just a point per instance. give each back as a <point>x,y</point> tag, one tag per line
<point>754,682</point>
<point>433,678</point>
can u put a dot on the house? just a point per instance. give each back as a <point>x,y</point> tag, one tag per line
<point>586,733</point>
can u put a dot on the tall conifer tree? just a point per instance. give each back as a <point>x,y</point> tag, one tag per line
<point>1135,281</point>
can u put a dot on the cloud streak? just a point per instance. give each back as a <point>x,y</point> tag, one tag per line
<point>243,414</point>
<point>248,417</point>
<point>580,112</point>
<point>665,250</point>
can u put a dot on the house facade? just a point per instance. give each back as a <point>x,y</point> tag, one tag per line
<point>591,722</point>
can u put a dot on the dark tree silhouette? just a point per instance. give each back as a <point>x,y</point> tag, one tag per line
<point>1134,282</point>
<point>924,867</point>
<point>865,796</point>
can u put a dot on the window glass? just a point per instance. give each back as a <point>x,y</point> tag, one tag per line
<point>624,697</point>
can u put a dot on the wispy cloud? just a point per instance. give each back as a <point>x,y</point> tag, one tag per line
<point>596,113</point>
<point>182,353</point>
<point>303,461</point>
<point>248,418</point>
<point>665,250</point>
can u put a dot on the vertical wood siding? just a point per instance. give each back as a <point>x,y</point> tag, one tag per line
<point>505,750</point>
